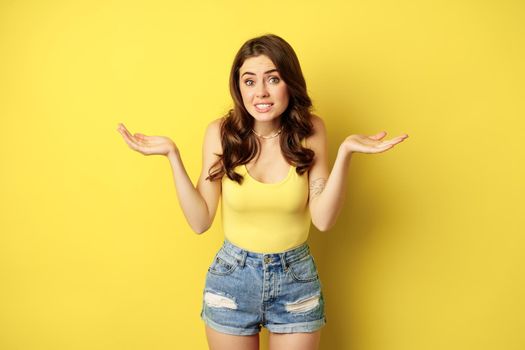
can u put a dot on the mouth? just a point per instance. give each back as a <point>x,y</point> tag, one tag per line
<point>263,107</point>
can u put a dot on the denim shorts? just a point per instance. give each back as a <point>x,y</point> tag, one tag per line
<point>245,291</point>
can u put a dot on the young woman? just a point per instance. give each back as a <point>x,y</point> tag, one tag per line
<point>267,160</point>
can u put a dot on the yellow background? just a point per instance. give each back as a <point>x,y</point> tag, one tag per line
<point>95,252</point>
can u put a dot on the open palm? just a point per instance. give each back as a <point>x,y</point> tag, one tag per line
<point>145,144</point>
<point>371,144</point>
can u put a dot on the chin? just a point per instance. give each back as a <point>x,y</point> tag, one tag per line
<point>264,116</point>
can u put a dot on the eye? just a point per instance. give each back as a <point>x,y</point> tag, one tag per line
<point>275,79</point>
<point>248,80</point>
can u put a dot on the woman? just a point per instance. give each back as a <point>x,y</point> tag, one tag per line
<point>267,158</point>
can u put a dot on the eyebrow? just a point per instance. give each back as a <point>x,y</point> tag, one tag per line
<point>268,71</point>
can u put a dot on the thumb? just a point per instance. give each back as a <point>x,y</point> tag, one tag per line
<point>379,135</point>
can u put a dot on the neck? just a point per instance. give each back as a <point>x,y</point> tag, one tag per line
<point>268,128</point>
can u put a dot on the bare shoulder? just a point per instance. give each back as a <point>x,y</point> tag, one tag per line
<point>318,122</point>
<point>215,125</point>
<point>319,132</point>
<point>212,137</point>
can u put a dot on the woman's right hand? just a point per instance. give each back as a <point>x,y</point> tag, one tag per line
<point>147,145</point>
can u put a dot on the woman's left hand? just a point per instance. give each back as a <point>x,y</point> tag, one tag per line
<point>370,144</point>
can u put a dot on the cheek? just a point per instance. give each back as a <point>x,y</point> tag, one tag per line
<point>283,95</point>
<point>246,97</point>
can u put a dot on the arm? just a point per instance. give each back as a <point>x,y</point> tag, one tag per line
<point>199,203</point>
<point>327,190</point>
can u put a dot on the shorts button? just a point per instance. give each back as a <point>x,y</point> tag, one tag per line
<point>267,259</point>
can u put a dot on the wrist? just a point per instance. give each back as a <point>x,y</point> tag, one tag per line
<point>344,151</point>
<point>173,154</point>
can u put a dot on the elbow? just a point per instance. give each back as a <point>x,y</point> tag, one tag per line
<point>322,226</point>
<point>322,218</point>
<point>202,225</point>
<point>200,229</point>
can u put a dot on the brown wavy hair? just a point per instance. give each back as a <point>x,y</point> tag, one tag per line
<point>239,144</point>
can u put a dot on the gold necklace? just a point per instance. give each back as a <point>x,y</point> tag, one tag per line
<point>268,137</point>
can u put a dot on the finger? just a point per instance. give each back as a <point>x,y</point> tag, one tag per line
<point>134,137</point>
<point>378,136</point>
<point>139,137</point>
<point>126,134</point>
<point>130,137</point>
<point>132,143</point>
<point>127,138</point>
<point>395,140</point>
<point>400,138</point>
<point>378,149</point>
<point>122,126</point>
<point>383,148</point>
<point>137,146</point>
<point>124,131</point>
<point>143,138</point>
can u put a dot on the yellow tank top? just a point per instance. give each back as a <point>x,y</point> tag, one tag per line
<point>266,217</point>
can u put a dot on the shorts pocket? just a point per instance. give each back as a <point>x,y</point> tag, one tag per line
<point>223,264</point>
<point>304,270</point>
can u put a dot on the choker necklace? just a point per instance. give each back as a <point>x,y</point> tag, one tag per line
<point>268,137</point>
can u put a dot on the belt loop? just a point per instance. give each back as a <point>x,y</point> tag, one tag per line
<point>242,259</point>
<point>283,261</point>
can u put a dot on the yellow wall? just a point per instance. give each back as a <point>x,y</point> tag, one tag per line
<point>95,252</point>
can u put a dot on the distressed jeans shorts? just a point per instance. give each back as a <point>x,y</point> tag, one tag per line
<point>245,291</point>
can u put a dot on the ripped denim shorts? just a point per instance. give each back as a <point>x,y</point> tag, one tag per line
<point>245,291</point>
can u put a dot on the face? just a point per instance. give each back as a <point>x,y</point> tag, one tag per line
<point>264,93</point>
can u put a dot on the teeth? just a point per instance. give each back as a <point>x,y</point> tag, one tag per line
<point>264,105</point>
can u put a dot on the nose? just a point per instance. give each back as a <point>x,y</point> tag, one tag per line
<point>261,90</point>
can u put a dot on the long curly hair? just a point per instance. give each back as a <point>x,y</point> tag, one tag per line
<point>239,144</point>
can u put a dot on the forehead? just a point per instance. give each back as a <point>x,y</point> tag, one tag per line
<point>256,64</point>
